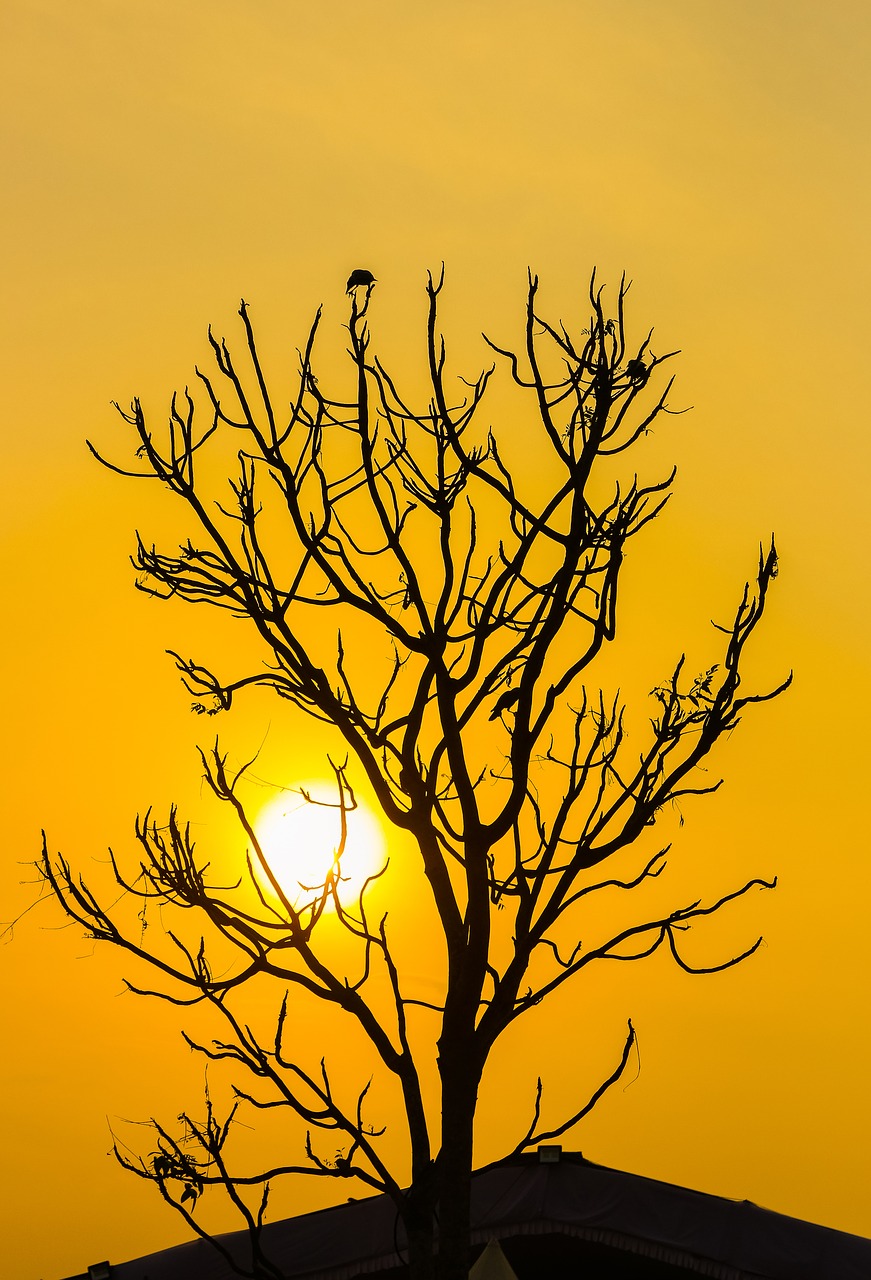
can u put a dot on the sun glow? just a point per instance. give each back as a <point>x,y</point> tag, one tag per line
<point>301,840</point>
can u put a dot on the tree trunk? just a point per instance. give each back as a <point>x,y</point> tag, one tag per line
<point>459,1100</point>
<point>421,1255</point>
<point>418,1218</point>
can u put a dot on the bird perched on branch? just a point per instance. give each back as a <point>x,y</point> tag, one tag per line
<point>637,372</point>
<point>505,702</point>
<point>358,278</point>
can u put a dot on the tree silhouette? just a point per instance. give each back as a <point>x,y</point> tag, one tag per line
<point>485,743</point>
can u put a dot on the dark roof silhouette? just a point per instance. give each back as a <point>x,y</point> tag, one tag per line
<point>552,1219</point>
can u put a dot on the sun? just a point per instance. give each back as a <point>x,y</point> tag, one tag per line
<point>300,840</point>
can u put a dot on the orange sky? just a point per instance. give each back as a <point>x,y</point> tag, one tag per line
<point>162,160</point>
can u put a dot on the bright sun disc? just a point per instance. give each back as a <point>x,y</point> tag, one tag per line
<point>300,841</point>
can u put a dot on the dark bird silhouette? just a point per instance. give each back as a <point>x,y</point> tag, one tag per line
<point>358,278</point>
<point>637,372</point>
<point>504,703</point>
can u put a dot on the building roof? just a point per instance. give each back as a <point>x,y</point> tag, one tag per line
<point>655,1227</point>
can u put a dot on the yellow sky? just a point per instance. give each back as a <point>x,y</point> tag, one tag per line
<point>162,160</point>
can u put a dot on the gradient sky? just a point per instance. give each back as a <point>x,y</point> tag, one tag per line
<point>161,160</point>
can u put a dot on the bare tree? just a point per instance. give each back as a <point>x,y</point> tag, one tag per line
<point>491,603</point>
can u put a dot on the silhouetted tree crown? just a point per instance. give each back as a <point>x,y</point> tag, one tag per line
<point>402,513</point>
